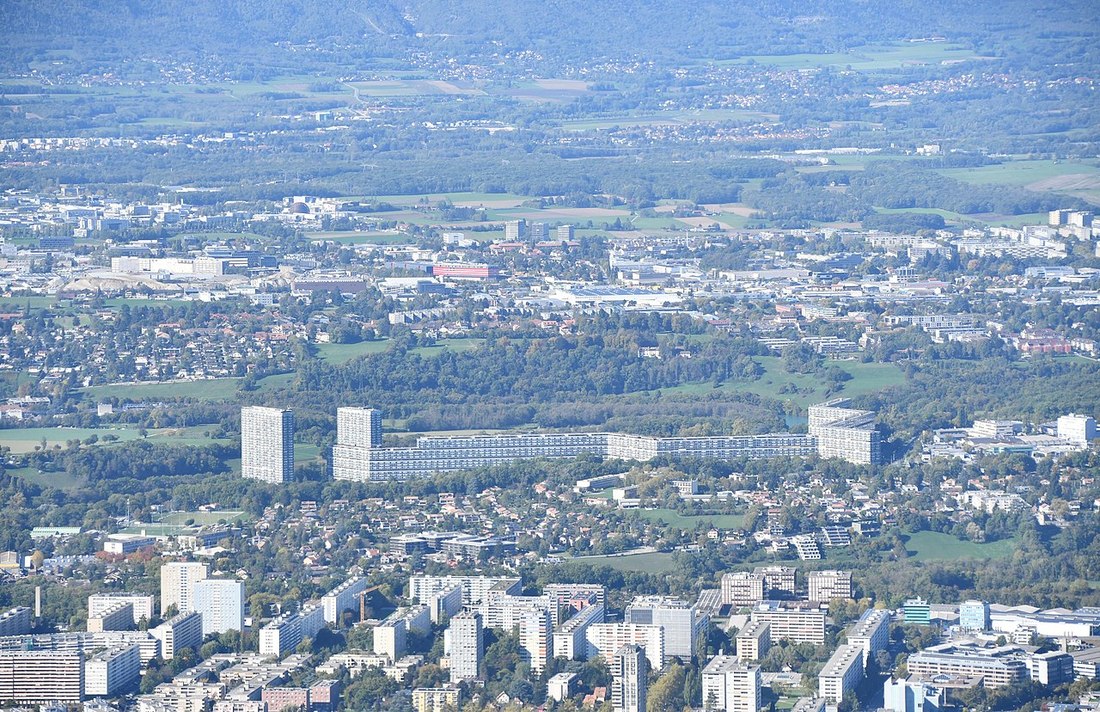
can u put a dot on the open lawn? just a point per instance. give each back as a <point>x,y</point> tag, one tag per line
<point>210,389</point>
<point>56,480</point>
<point>655,563</point>
<point>202,518</point>
<point>22,440</point>
<point>674,519</point>
<point>447,345</point>
<point>356,237</point>
<point>805,389</point>
<point>342,353</point>
<point>934,546</point>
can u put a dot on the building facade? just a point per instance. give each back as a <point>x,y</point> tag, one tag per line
<point>730,685</point>
<point>267,444</point>
<point>177,585</point>
<point>629,679</point>
<point>221,603</point>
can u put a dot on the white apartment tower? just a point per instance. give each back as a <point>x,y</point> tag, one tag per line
<point>730,685</point>
<point>629,679</point>
<point>177,585</point>
<point>221,603</point>
<point>467,645</point>
<point>359,427</point>
<point>267,443</point>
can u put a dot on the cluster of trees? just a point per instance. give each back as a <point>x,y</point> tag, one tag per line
<point>134,460</point>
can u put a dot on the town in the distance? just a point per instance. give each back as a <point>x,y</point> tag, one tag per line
<point>572,356</point>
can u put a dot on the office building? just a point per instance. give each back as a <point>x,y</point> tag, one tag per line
<point>221,603</point>
<point>795,621</point>
<point>998,667</point>
<point>871,633</point>
<point>467,645</point>
<point>183,630</point>
<point>730,685</point>
<point>842,673</point>
<point>112,672</point>
<point>435,699</point>
<point>1051,668</point>
<point>122,544</point>
<point>140,604</point>
<point>571,638</point>
<point>682,623</point>
<point>742,588</point>
<point>917,611</point>
<point>974,616</point>
<point>753,641</point>
<point>119,616</point>
<point>911,695</point>
<point>835,432</point>
<point>177,583</point>
<point>267,444</point>
<point>15,621</point>
<point>629,679</point>
<point>824,586</point>
<point>32,677</point>
<point>845,433</point>
<point>605,638</point>
<point>343,598</point>
<point>1077,429</point>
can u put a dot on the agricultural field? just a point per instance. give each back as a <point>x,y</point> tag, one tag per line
<point>342,353</point>
<point>870,58</point>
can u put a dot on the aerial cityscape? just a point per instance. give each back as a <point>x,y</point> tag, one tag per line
<point>625,356</point>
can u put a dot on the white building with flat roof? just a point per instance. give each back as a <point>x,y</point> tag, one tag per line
<point>730,685</point>
<point>221,603</point>
<point>842,673</point>
<point>32,677</point>
<point>112,672</point>
<point>267,444</point>
<point>141,604</point>
<point>467,645</point>
<point>177,584</point>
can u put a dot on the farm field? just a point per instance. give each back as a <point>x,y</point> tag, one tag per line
<point>870,58</point>
<point>342,353</point>
<point>1024,173</point>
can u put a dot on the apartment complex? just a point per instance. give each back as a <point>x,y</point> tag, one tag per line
<point>221,603</point>
<point>842,673</point>
<point>467,645</point>
<point>177,585</point>
<point>267,443</point>
<point>871,633</point>
<point>795,621</point>
<point>344,597</point>
<point>753,641</point>
<point>845,433</point>
<point>824,586</point>
<point>32,677</point>
<point>629,679</point>
<point>681,622</point>
<point>141,605</point>
<point>605,638</point>
<point>742,588</point>
<point>359,456</point>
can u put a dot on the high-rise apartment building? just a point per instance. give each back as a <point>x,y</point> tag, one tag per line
<point>178,632</point>
<point>826,585</point>
<point>177,585</point>
<point>742,588</point>
<point>32,677</point>
<point>360,427</point>
<point>267,444</point>
<point>467,645</point>
<point>221,603</point>
<point>730,685</point>
<point>682,623</point>
<point>629,678</point>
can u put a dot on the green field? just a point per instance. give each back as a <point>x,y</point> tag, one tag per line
<point>804,389</point>
<point>22,440</point>
<point>871,58</point>
<point>57,480</point>
<point>355,237</point>
<point>342,353</point>
<point>443,345</point>
<point>1023,172</point>
<point>202,518</point>
<point>211,389</point>
<point>656,563</point>
<point>668,118</point>
<point>934,546</point>
<point>673,518</point>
